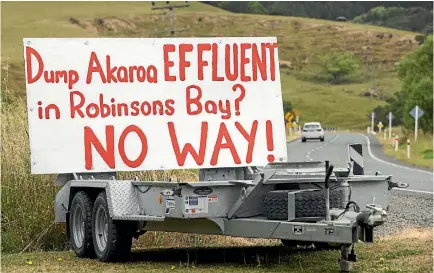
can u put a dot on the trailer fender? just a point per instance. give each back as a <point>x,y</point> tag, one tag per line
<point>62,203</point>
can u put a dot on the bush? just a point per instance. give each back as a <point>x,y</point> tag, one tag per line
<point>339,65</point>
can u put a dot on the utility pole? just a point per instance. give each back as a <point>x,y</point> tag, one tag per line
<point>372,83</point>
<point>371,70</point>
<point>170,7</point>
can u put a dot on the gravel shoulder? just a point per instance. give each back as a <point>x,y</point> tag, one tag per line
<point>407,210</point>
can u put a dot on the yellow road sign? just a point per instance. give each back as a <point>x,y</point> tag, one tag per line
<point>380,125</point>
<point>297,112</point>
<point>288,116</point>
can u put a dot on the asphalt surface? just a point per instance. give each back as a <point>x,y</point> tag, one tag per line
<point>335,149</point>
<point>411,207</point>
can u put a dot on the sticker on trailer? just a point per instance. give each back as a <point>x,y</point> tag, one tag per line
<point>137,104</point>
<point>213,198</point>
<point>196,204</point>
<point>170,204</point>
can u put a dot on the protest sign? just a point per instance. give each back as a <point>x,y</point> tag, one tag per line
<point>131,104</point>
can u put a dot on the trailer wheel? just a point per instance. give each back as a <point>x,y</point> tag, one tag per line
<point>307,204</point>
<point>112,239</point>
<point>80,225</point>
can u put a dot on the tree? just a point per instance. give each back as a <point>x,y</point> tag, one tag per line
<point>339,65</point>
<point>416,74</point>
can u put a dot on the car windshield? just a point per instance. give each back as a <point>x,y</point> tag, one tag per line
<point>311,126</point>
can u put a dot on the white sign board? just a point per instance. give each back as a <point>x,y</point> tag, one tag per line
<point>131,104</point>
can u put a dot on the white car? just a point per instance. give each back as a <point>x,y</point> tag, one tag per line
<point>312,130</point>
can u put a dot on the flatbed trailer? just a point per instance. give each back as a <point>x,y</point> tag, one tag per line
<point>297,202</point>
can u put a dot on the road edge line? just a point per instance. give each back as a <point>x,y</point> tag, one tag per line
<point>418,191</point>
<point>389,163</point>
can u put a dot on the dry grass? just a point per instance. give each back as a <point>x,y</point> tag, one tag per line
<point>421,152</point>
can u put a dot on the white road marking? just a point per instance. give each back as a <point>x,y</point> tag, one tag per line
<point>395,165</point>
<point>400,189</point>
<point>389,163</point>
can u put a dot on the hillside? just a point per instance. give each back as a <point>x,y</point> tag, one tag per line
<point>302,44</point>
<point>406,15</point>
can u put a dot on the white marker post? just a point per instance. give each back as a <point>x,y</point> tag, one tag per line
<point>393,140</point>
<point>372,121</point>
<point>384,136</point>
<point>391,117</point>
<point>408,148</point>
<point>396,143</point>
<point>368,129</point>
<point>416,113</point>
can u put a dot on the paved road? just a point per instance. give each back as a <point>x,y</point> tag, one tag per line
<point>335,149</point>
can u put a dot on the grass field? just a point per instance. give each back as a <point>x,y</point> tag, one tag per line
<point>410,251</point>
<point>421,151</point>
<point>27,200</point>
<point>302,44</point>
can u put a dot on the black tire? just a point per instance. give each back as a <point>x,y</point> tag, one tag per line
<point>303,140</point>
<point>81,204</point>
<point>307,204</point>
<point>322,139</point>
<point>119,234</point>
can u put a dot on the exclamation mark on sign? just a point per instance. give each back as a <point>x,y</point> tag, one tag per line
<point>270,143</point>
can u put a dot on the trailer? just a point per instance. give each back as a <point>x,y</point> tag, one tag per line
<point>308,202</point>
<point>184,103</point>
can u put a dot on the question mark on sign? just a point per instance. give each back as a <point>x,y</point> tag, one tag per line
<point>240,97</point>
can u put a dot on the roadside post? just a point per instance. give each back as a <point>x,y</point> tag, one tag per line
<point>396,143</point>
<point>372,121</point>
<point>368,129</point>
<point>416,113</point>
<point>384,135</point>
<point>408,148</point>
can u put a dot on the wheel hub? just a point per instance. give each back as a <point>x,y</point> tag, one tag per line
<point>101,228</point>
<point>78,226</point>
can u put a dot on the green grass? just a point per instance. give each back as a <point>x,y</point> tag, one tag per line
<point>421,152</point>
<point>410,251</point>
